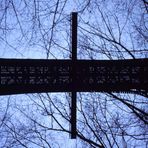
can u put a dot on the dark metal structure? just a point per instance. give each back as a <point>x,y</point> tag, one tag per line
<point>73,120</point>
<point>18,76</point>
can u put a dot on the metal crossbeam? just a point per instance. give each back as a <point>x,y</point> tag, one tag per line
<point>19,76</point>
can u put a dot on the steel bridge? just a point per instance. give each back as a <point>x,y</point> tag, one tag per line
<point>19,76</point>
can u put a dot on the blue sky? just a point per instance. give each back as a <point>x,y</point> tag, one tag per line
<point>106,30</point>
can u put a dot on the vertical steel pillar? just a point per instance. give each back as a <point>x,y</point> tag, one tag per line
<point>74,58</point>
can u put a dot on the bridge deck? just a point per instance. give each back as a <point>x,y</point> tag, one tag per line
<point>19,76</point>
